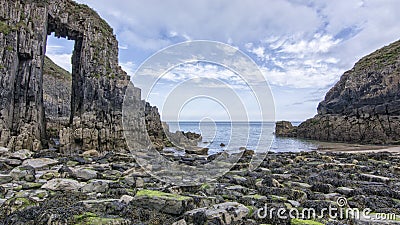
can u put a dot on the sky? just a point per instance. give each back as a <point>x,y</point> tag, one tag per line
<point>302,47</point>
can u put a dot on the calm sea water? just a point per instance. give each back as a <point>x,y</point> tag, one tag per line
<point>253,135</point>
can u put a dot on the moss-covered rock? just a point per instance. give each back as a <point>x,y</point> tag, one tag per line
<point>89,218</point>
<point>18,204</point>
<point>304,222</point>
<point>4,28</point>
<point>164,202</point>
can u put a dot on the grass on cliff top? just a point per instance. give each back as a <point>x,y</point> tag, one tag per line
<point>159,194</point>
<point>381,57</point>
<point>52,69</point>
<point>84,9</point>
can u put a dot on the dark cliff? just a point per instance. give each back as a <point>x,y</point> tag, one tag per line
<point>364,106</point>
<point>90,116</point>
<point>57,91</point>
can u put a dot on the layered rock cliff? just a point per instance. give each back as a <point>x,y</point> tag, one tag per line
<point>98,83</point>
<point>57,91</point>
<point>364,106</point>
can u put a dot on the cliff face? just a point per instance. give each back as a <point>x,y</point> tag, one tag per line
<point>57,92</point>
<point>364,106</point>
<point>371,87</point>
<point>98,83</point>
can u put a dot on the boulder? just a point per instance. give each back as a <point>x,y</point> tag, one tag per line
<point>126,199</point>
<point>91,153</point>
<point>164,202</point>
<point>60,184</point>
<point>98,206</point>
<point>5,178</point>
<point>96,186</point>
<point>3,151</point>
<point>224,213</point>
<point>23,173</point>
<point>197,151</point>
<point>84,174</point>
<point>40,163</point>
<point>22,154</point>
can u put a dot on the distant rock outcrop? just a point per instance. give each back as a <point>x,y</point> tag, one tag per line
<point>364,106</point>
<point>285,129</point>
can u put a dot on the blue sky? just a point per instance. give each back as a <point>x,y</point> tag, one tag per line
<point>302,47</point>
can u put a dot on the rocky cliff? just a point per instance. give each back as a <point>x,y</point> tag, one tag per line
<point>57,91</point>
<point>98,83</point>
<point>364,106</point>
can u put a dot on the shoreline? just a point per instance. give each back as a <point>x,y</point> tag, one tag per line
<point>355,148</point>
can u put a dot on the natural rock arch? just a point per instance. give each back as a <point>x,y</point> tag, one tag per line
<point>98,83</point>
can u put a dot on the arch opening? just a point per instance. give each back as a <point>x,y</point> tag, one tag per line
<point>62,92</point>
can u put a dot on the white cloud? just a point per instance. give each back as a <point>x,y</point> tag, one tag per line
<point>337,32</point>
<point>302,77</point>
<point>299,63</point>
<point>60,51</point>
<point>318,44</point>
<point>297,43</point>
<point>63,60</point>
<point>129,67</point>
<point>155,20</point>
<point>123,47</point>
<point>200,70</point>
<point>259,52</point>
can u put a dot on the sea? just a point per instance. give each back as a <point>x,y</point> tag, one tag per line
<point>231,136</point>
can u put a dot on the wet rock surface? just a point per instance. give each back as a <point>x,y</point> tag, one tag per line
<point>111,188</point>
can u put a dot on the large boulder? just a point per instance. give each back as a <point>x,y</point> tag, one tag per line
<point>60,184</point>
<point>40,163</point>
<point>224,213</point>
<point>164,202</point>
<point>84,174</point>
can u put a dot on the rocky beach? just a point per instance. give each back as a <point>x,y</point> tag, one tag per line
<point>65,159</point>
<point>45,187</point>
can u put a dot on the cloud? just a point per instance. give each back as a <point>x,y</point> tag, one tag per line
<point>298,76</point>
<point>259,52</point>
<point>129,67</point>
<point>318,44</point>
<point>154,20</point>
<point>288,34</point>
<point>63,60</point>
<point>60,51</point>
<point>204,72</point>
<point>58,54</point>
<point>123,47</point>
<point>298,63</point>
<point>297,43</point>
